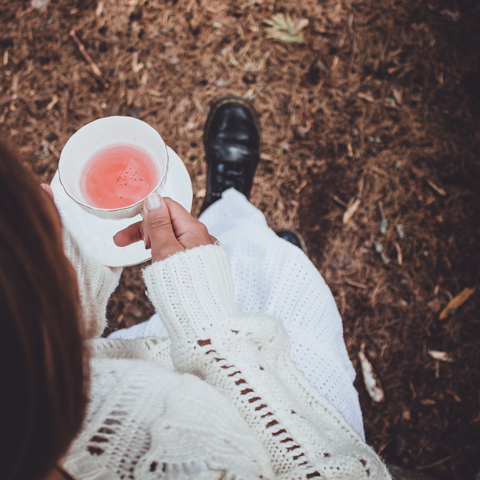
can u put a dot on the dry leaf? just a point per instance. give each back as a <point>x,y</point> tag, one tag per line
<point>397,94</point>
<point>443,356</point>
<point>366,97</point>
<point>40,4</point>
<point>372,383</point>
<point>136,67</point>
<point>456,302</point>
<point>419,172</point>
<point>347,216</point>
<point>284,28</point>
<point>349,149</point>
<point>201,193</point>
<point>99,9</point>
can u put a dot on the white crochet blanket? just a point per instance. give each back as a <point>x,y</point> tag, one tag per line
<point>274,277</point>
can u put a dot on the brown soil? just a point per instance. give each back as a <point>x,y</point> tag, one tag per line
<point>380,104</point>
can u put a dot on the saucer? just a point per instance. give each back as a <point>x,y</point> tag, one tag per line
<point>95,235</point>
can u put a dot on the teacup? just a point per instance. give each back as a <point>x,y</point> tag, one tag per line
<point>99,135</point>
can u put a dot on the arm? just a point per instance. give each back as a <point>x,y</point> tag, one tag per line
<point>95,284</point>
<point>247,358</point>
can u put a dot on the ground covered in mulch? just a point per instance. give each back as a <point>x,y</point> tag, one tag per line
<point>376,115</point>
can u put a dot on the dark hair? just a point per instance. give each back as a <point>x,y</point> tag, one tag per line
<point>43,368</point>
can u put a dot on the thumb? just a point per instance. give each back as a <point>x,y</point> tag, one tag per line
<point>158,228</point>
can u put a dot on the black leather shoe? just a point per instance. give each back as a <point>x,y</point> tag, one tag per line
<point>232,142</point>
<point>293,237</point>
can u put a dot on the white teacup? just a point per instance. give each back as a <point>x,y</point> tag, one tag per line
<point>98,135</point>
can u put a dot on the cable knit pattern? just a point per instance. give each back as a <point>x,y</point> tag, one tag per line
<point>273,277</point>
<point>153,349</point>
<point>246,358</point>
<point>146,422</point>
<point>96,284</point>
<point>219,399</point>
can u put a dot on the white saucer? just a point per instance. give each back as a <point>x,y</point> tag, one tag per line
<point>95,235</point>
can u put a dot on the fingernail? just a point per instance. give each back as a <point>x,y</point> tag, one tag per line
<point>43,186</point>
<point>153,201</point>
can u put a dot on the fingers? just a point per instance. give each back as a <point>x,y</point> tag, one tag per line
<point>190,232</point>
<point>133,233</point>
<point>158,225</point>
<point>182,221</point>
<point>167,228</point>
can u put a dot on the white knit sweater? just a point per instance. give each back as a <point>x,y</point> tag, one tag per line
<point>219,399</point>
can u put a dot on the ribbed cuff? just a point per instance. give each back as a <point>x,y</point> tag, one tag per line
<point>192,291</point>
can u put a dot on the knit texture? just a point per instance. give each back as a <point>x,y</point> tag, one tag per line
<point>219,399</point>
<point>246,357</point>
<point>274,277</point>
<point>147,422</point>
<point>96,284</point>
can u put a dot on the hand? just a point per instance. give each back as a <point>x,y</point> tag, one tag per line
<point>166,228</point>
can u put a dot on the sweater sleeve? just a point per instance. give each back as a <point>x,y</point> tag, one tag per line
<point>246,357</point>
<point>95,283</point>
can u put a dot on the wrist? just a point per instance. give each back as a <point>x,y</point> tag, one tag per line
<point>192,291</point>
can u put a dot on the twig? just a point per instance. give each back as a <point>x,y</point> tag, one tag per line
<point>457,302</point>
<point>51,148</point>
<point>383,223</point>
<point>354,44</point>
<point>347,216</point>
<point>340,202</point>
<point>366,97</point>
<point>438,189</point>
<point>399,253</point>
<point>356,284</point>
<point>52,103</point>
<point>380,171</point>
<point>88,58</point>
<point>424,467</point>
<point>370,378</point>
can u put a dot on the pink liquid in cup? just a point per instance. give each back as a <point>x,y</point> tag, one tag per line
<point>118,176</point>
